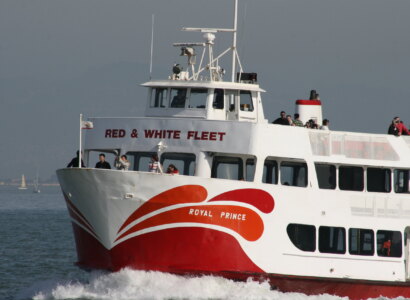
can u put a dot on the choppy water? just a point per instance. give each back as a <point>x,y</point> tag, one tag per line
<point>37,253</point>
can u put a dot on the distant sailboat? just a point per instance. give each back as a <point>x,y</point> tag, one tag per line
<point>23,185</point>
<point>36,185</point>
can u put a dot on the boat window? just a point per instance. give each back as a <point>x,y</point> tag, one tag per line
<point>389,243</point>
<point>351,178</point>
<point>218,102</point>
<point>270,172</point>
<point>302,236</point>
<point>332,240</point>
<point>326,176</point>
<point>401,181</point>
<point>185,162</point>
<point>293,174</point>
<point>378,180</point>
<point>178,98</point>
<point>227,167</point>
<point>159,97</point>
<point>197,99</point>
<point>139,160</point>
<point>361,241</point>
<point>250,169</point>
<point>246,101</point>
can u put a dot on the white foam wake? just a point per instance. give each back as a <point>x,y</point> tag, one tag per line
<point>129,284</point>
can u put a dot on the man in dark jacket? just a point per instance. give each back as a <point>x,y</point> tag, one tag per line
<point>282,120</point>
<point>74,162</point>
<point>102,164</point>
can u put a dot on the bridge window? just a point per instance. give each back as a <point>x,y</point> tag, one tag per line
<point>326,176</point>
<point>270,172</point>
<point>401,181</point>
<point>178,98</point>
<point>197,98</point>
<point>378,180</point>
<point>302,236</point>
<point>246,103</point>
<point>159,97</point>
<point>332,240</point>
<point>218,102</point>
<point>361,241</point>
<point>185,162</point>
<point>227,167</point>
<point>293,174</point>
<point>351,178</point>
<point>389,243</point>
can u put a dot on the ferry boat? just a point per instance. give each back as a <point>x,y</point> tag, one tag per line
<point>311,211</point>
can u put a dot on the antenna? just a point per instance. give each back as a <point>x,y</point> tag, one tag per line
<point>152,45</point>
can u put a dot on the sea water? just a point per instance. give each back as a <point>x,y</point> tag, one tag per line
<point>37,255</point>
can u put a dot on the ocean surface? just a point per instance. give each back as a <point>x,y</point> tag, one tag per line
<point>37,256</point>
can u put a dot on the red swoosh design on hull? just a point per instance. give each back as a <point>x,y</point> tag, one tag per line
<point>258,198</point>
<point>242,220</point>
<point>178,195</point>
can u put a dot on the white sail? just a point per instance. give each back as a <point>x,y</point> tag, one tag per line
<point>23,185</point>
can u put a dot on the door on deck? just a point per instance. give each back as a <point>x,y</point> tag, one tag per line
<point>407,252</point>
<point>231,98</point>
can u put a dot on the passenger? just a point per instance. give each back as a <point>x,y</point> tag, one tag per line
<point>325,125</point>
<point>74,162</point>
<point>289,119</point>
<point>102,164</point>
<point>313,124</point>
<point>179,99</point>
<point>402,128</point>
<point>307,124</point>
<point>172,170</point>
<point>297,121</point>
<point>282,120</point>
<point>386,248</point>
<point>393,130</point>
<point>122,163</point>
<point>153,165</point>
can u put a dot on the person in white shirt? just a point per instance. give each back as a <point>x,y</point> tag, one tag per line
<point>122,163</point>
<point>325,125</point>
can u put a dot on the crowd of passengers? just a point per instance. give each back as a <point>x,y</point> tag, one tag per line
<point>285,119</point>
<point>122,163</point>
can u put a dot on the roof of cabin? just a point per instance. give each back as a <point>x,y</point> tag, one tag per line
<point>204,84</point>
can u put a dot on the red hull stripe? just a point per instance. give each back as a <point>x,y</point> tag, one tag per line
<point>77,215</point>
<point>178,195</point>
<point>193,251</point>
<point>308,102</point>
<point>257,198</point>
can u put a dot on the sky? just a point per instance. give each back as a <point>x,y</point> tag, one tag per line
<point>62,58</point>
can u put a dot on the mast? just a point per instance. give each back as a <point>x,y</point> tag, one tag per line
<point>235,21</point>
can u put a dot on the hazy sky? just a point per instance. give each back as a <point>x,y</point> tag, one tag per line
<point>62,58</point>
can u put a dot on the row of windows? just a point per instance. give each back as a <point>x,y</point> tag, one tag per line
<point>333,240</point>
<point>196,98</point>
<point>352,178</point>
<point>285,172</point>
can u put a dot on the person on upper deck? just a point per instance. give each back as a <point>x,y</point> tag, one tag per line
<point>172,170</point>
<point>153,165</point>
<point>325,125</point>
<point>122,163</point>
<point>102,164</point>
<point>282,120</point>
<point>397,127</point>
<point>290,121</point>
<point>297,121</point>
<point>74,162</point>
